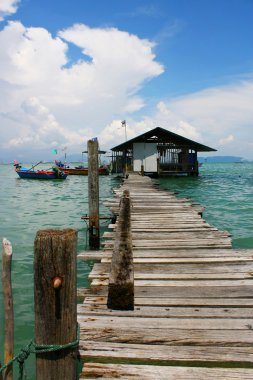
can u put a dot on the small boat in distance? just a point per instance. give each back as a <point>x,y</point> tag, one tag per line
<point>79,170</point>
<point>53,173</point>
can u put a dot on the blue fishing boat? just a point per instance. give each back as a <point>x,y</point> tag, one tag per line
<point>53,173</point>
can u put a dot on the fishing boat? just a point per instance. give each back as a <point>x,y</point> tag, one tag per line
<point>53,173</point>
<point>79,170</point>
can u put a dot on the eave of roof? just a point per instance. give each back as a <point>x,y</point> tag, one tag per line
<point>163,136</point>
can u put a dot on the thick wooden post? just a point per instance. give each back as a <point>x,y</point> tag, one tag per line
<point>142,170</point>
<point>55,302</point>
<point>121,278</point>
<point>93,192</point>
<point>8,308</point>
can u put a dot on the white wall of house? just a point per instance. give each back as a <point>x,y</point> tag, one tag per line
<point>145,154</point>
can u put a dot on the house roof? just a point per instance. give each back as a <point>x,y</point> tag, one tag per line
<point>161,135</point>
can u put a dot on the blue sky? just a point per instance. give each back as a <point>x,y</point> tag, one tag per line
<point>70,71</point>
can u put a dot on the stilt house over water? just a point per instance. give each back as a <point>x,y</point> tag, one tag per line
<point>158,153</point>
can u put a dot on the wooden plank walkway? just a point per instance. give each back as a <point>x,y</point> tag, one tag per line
<point>193,316</point>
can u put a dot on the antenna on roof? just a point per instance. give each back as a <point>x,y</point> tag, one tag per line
<point>123,124</point>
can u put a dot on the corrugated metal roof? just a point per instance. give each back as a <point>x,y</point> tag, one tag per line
<point>161,135</point>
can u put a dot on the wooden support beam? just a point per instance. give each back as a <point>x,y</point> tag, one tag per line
<point>121,278</point>
<point>8,308</point>
<point>55,302</point>
<point>93,193</point>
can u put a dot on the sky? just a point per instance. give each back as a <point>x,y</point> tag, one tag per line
<point>74,70</point>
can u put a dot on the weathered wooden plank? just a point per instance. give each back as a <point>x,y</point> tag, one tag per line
<point>153,229</point>
<point>169,312</point>
<point>180,292</point>
<point>158,244</point>
<point>185,260</point>
<point>181,217</point>
<point>90,255</point>
<point>188,283</point>
<point>194,302</point>
<point>184,267</point>
<point>145,201</point>
<point>98,275</point>
<point>173,235</point>
<point>165,354</point>
<point>190,252</point>
<point>241,268</point>
<point>149,372</point>
<point>186,242</point>
<point>183,241</point>
<point>168,337</point>
<point>170,323</point>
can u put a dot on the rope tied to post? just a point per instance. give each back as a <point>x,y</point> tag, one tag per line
<point>33,348</point>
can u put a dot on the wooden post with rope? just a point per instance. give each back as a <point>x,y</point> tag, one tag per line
<point>93,193</point>
<point>55,302</point>
<point>8,308</point>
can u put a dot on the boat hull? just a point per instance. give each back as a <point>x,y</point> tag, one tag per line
<point>84,171</point>
<point>40,174</point>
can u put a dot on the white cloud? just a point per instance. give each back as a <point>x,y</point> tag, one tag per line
<point>31,57</point>
<point>8,7</point>
<point>41,125</point>
<point>209,115</point>
<point>114,134</point>
<point>46,99</point>
<point>206,116</point>
<point>174,122</point>
<point>119,59</point>
<point>226,140</point>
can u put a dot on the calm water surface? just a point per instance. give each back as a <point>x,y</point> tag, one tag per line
<point>30,205</point>
<point>225,190</point>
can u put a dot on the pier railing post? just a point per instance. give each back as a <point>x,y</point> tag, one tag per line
<point>93,193</point>
<point>8,308</point>
<point>121,277</point>
<point>55,302</point>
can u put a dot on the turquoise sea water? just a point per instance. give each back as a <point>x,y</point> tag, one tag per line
<point>30,205</point>
<point>225,190</point>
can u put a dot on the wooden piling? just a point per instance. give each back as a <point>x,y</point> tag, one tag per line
<point>93,193</point>
<point>8,308</point>
<point>55,302</point>
<point>121,278</point>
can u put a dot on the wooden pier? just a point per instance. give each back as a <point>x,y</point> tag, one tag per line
<point>193,297</point>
